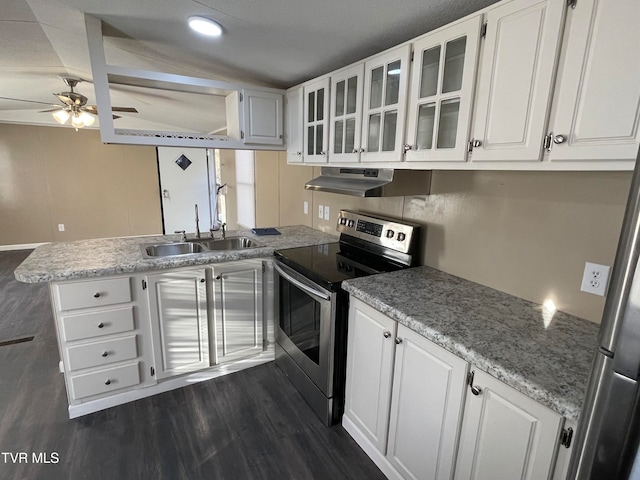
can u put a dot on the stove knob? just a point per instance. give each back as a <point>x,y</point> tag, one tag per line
<point>350,224</point>
<point>401,236</point>
<point>390,233</point>
<point>349,268</point>
<point>343,221</point>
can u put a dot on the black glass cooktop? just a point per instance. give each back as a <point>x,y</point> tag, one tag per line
<point>331,263</point>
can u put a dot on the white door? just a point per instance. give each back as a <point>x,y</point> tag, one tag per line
<point>262,117</point>
<point>385,99</point>
<point>515,80</point>
<point>238,310</point>
<point>439,112</point>
<point>178,311</point>
<point>597,97</point>
<point>186,181</point>
<point>426,408</point>
<point>316,121</point>
<point>346,115</point>
<point>370,353</point>
<point>506,434</point>
<point>293,120</point>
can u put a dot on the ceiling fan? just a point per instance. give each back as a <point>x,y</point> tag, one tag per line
<point>74,107</point>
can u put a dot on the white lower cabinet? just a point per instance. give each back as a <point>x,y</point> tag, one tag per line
<point>237,311</point>
<point>505,434</point>
<point>179,321</point>
<point>407,405</point>
<point>404,397</point>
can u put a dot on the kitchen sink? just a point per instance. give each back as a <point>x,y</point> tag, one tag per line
<point>198,246</point>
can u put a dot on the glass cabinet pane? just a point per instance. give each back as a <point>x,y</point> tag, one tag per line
<point>454,65</point>
<point>340,98</point>
<point>429,74</point>
<point>337,136</point>
<point>320,108</point>
<point>448,123</point>
<point>350,134</point>
<point>352,89</point>
<point>374,132</point>
<point>389,131</point>
<point>393,83</point>
<point>319,139</point>
<point>310,139</point>
<point>375,97</point>
<point>312,107</point>
<point>426,118</point>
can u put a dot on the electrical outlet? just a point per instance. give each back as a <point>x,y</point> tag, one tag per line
<point>61,227</point>
<point>320,212</point>
<point>305,208</point>
<point>595,279</point>
<point>326,213</point>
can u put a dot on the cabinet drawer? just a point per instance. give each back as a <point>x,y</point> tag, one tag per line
<point>94,324</point>
<point>105,380</point>
<point>101,353</point>
<point>94,293</point>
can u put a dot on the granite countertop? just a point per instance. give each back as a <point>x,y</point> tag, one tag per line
<point>113,256</point>
<point>543,355</point>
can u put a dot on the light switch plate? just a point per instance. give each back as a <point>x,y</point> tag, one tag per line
<point>320,212</point>
<point>326,213</point>
<point>305,208</point>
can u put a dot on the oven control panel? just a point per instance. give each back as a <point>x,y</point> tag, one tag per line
<point>387,232</point>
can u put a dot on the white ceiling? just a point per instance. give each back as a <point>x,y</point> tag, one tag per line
<point>277,43</point>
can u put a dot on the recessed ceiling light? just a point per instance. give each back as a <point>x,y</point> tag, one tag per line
<point>205,26</point>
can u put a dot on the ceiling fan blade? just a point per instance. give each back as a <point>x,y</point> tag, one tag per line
<point>28,101</point>
<point>52,110</point>
<point>124,109</point>
<point>64,99</point>
<point>115,117</point>
<point>91,109</point>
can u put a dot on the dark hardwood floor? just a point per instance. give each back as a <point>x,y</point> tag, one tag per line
<point>248,425</point>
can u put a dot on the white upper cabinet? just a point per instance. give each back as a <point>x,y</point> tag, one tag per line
<point>515,80</point>
<point>346,114</point>
<point>316,121</point>
<point>293,105</point>
<point>385,97</point>
<point>596,112</point>
<point>262,113</point>
<point>439,111</point>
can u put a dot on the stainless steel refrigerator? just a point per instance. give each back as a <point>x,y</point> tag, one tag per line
<point>608,435</point>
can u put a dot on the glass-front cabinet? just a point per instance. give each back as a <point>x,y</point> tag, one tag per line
<point>316,121</point>
<point>385,94</point>
<point>441,89</point>
<point>346,115</point>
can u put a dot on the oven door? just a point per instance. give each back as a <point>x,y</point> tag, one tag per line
<point>305,315</point>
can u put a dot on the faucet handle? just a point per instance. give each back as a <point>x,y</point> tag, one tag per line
<point>183,237</point>
<point>224,230</point>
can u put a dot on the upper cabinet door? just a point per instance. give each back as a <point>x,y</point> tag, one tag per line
<point>263,122</point>
<point>293,112</point>
<point>316,121</point>
<point>385,97</point>
<point>346,115</point>
<point>516,74</point>
<point>444,70</point>
<point>597,98</point>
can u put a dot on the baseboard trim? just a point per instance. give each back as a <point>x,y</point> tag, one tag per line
<point>20,246</point>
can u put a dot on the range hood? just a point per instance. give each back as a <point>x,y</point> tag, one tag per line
<point>372,182</point>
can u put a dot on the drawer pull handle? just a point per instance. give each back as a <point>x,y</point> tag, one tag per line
<point>101,325</point>
<point>96,295</point>
<point>386,334</point>
<point>108,382</point>
<point>105,354</point>
<point>398,340</point>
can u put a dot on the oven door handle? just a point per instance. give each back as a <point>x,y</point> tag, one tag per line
<point>301,285</point>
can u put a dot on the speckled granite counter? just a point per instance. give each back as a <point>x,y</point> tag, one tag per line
<point>112,256</point>
<point>505,336</point>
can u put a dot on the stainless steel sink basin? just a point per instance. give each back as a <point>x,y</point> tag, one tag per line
<point>170,249</point>
<point>230,243</point>
<point>198,246</point>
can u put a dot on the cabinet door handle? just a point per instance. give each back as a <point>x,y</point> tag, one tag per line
<point>558,139</point>
<point>386,334</point>
<point>398,340</point>
<point>202,280</point>
<point>218,277</point>
<point>96,295</point>
<point>108,382</point>
<point>105,354</point>
<point>476,390</point>
<point>101,325</point>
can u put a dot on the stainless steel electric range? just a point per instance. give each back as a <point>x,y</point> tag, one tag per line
<point>312,308</point>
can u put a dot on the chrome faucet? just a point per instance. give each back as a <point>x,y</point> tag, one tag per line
<point>222,227</point>
<point>183,235</point>
<point>197,223</point>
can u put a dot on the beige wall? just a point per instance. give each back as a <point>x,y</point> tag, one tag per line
<point>55,175</point>
<point>525,233</point>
